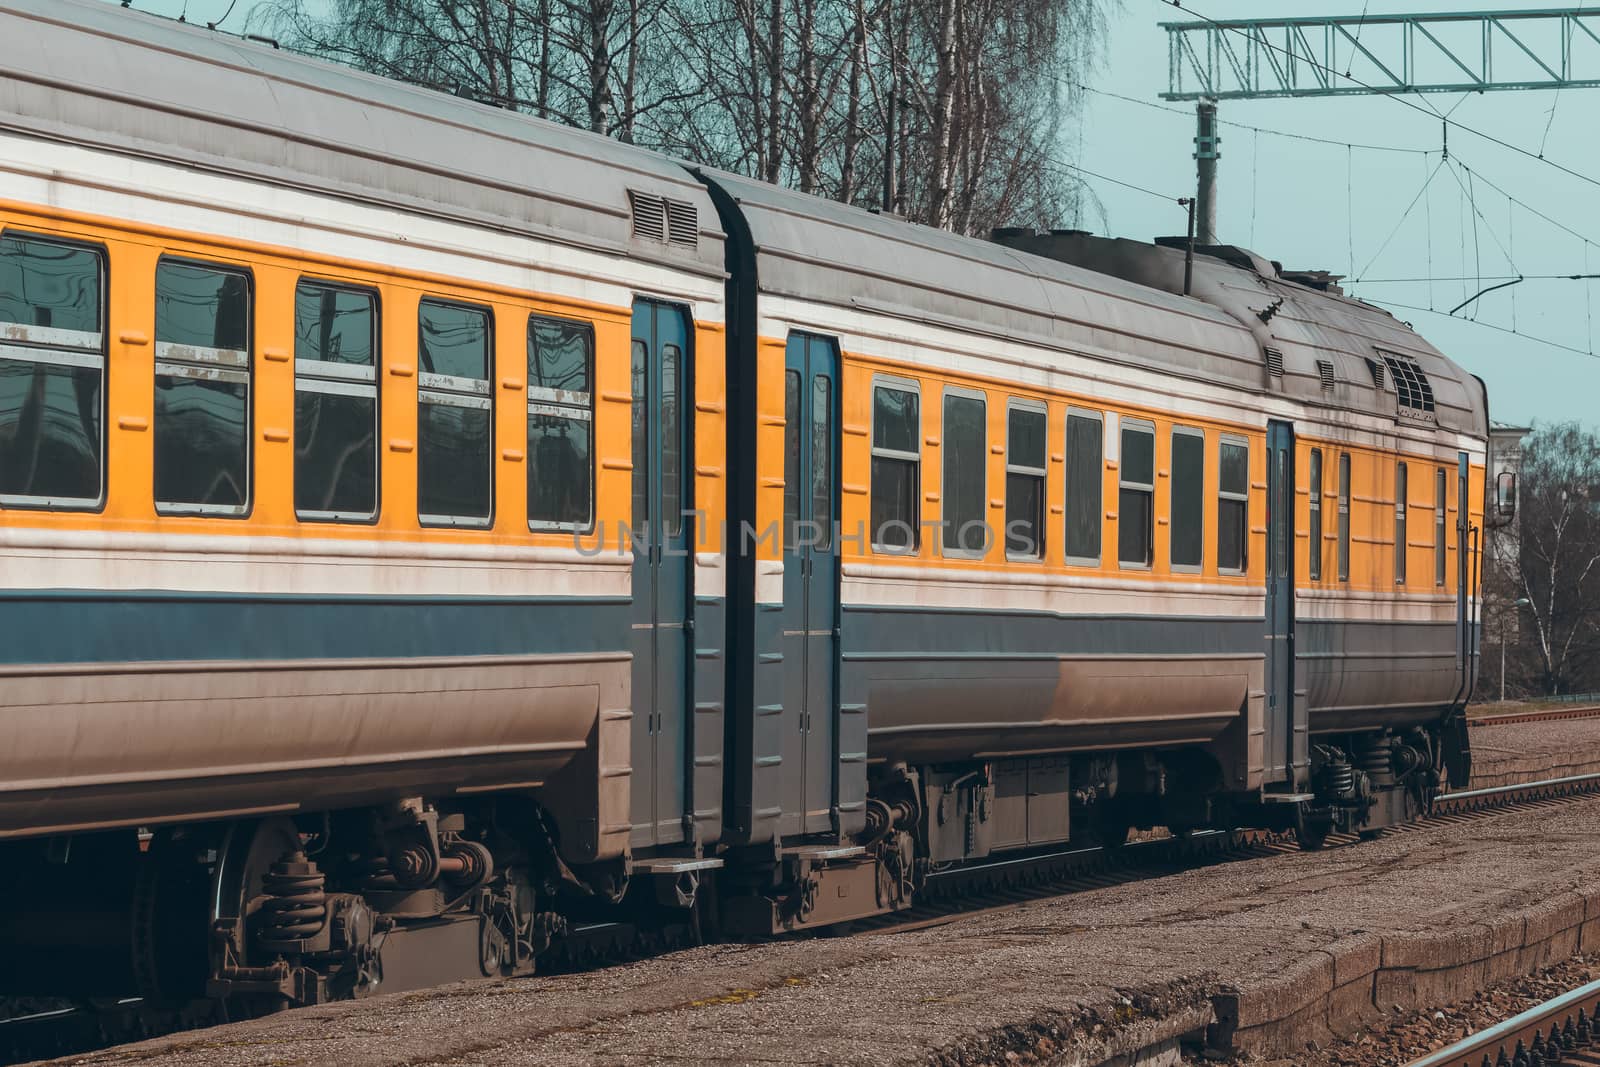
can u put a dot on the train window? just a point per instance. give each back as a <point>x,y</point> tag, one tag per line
<point>896,467</point>
<point>1344,516</point>
<point>1401,494</point>
<point>202,390</point>
<point>561,424</point>
<point>455,415</point>
<point>822,460</point>
<point>791,453</point>
<point>966,461</point>
<point>1188,488</point>
<point>1438,526</point>
<point>1136,495</point>
<point>1084,481</point>
<point>1233,505</point>
<point>1314,548</point>
<point>52,374</point>
<point>335,403</point>
<point>1025,479</point>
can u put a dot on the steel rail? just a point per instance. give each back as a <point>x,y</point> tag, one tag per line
<point>1561,1023</point>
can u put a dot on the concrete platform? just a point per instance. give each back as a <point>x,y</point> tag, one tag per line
<point>1524,752</point>
<point>1279,950</point>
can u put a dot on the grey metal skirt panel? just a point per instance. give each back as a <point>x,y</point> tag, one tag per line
<point>1361,675</point>
<point>86,746</point>
<point>942,686</point>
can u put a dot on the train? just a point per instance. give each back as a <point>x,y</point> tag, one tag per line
<point>425,530</point>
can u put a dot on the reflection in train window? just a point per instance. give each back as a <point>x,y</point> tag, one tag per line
<point>1025,480</point>
<point>455,415</point>
<point>1233,505</point>
<point>1188,497</point>
<point>1314,548</point>
<point>335,403</point>
<point>1402,492</point>
<point>560,424</point>
<point>202,390</point>
<point>1344,516</point>
<point>1084,443</point>
<point>896,468</point>
<point>1136,495</point>
<point>966,459</point>
<point>52,374</point>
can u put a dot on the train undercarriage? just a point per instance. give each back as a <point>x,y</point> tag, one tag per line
<point>261,914</point>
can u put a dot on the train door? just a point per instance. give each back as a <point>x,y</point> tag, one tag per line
<point>662,492</point>
<point>810,582</point>
<point>1286,741</point>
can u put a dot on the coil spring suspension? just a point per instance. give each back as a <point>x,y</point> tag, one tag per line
<point>1340,778</point>
<point>296,907</point>
<point>1375,758</point>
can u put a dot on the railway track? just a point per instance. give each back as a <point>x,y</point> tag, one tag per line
<point>949,895</point>
<point>1562,1030</point>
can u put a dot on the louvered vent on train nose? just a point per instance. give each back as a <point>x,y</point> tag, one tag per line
<point>1274,361</point>
<point>1325,369</point>
<point>664,220</point>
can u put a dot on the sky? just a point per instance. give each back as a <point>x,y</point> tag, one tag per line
<point>1356,211</point>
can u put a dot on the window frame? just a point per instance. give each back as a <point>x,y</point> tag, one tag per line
<point>1198,433</point>
<point>343,379</point>
<point>1099,419</point>
<point>1345,481</point>
<point>26,341</point>
<point>1126,425</point>
<point>181,366</point>
<point>947,551</point>
<point>1236,440</point>
<point>450,389</point>
<point>1402,493</point>
<point>561,403</point>
<point>1314,514</point>
<point>1441,503</point>
<point>1042,472</point>
<point>904,385</point>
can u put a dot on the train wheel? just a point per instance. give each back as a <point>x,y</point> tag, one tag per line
<point>1310,828</point>
<point>245,855</point>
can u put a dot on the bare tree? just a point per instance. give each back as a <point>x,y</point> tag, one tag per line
<point>951,112</point>
<point>1558,564</point>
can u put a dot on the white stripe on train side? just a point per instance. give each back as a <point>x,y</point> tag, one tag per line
<point>117,186</point>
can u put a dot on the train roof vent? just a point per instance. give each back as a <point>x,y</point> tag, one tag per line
<point>664,220</point>
<point>683,223</point>
<point>1274,361</point>
<point>1325,368</point>
<point>1377,372</point>
<point>1410,383</point>
<point>649,216</point>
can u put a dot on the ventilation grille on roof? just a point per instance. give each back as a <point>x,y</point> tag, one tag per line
<point>664,220</point>
<point>1325,369</point>
<point>1274,362</point>
<point>1377,372</point>
<point>1410,384</point>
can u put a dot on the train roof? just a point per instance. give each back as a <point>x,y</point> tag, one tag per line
<point>87,72</point>
<point>1110,299</point>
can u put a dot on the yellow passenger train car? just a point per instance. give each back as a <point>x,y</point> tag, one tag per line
<point>426,531</point>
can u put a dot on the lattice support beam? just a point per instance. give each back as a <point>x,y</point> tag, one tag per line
<point>1244,59</point>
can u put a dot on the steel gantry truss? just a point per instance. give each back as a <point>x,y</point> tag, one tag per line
<point>1348,55</point>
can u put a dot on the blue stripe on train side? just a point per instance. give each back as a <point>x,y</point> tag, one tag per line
<point>93,626</point>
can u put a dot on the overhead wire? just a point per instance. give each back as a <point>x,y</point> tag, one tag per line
<point>1485,325</point>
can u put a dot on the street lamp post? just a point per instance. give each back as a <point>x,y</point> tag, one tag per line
<point>1521,602</point>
